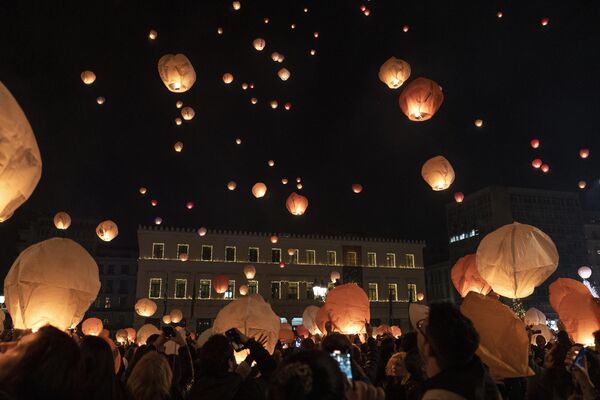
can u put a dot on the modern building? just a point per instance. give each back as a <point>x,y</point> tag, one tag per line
<point>438,283</point>
<point>82,230</point>
<point>592,238</point>
<point>288,269</point>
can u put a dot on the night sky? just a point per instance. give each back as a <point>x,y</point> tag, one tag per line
<point>523,79</point>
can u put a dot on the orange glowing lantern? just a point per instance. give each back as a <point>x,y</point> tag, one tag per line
<point>88,77</point>
<point>499,14</point>
<point>220,283</point>
<point>281,264</point>
<point>296,204</point>
<point>92,326</point>
<point>302,331</point>
<point>315,35</point>
<point>236,5</point>
<point>284,74</point>
<point>274,239</point>
<point>287,106</point>
<point>188,113</point>
<point>178,121</point>
<point>357,188</point>
<point>107,230</point>
<point>582,184</point>
<point>584,153</point>
<point>277,57</point>
<point>176,72</point>
<point>244,86</point>
<point>259,190</point>
<point>143,190</point>
<point>535,143</point>
<point>254,100</point>
<point>176,315</point>
<point>313,52</point>
<point>166,319</point>
<point>227,78</point>
<point>271,163</point>
<point>299,186</point>
<point>202,231</point>
<point>334,276</point>
<point>420,296</point>
<point>438,173</point>
<point>121,336</point>
<point>478,123</point>
<point>394,72</point>
<point>62,220</point>
<point>466,278</point>
<point>158,220</point>
<point>367,12</point>
<point>249,271</point>
<point>405,28</point>
<point>286,334</point>
<point>179,104</point>
<point>152,35</point>
<point>545,168</point>
<point>178,147</point>
<point>131,334</point>
<point>153,203</point>
<point>396,331</point>
<point>266,20</point>
<point>238,141</point>
<point>145,307</point>
<point>545,21</point>
<point>274,104</point>
<point>145,332</point>
<point>231,185</point>
<point>537,163</point>
<point>533,316</point>
<point>584,272</point>
<point>347,308</point>
<point>259,44</point>
<point>184,257</point>
<point>284,181</point>
<point>309,319</point>
<point>421,99</point>
<point>243,290</point>
<point>459,197</point>
<point>100,100</point>
<point>219,30</point>
<point>291,252</point>
<point>189,205</point>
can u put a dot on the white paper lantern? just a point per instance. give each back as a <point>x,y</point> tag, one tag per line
<point>309,320</point>
<point>145,307</point>
<point>145,332</point>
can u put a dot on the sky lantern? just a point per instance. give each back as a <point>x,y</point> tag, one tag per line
<point>584,153</point>
<point>145,307</point>
<point>584,272</point>
<point>176,72</point>
<point>178,121</point>
<point>189,205</point>
<point>537,163</point>
<point>176,315</point>
<point>243,290</point>
<point>121,336</point>
<point>421,99</point>
<point>238,141</point>
<point>466,278</point>
<point>478,123</point>
<point>282,264</point>
<point>219,30</point>
<point>236,5</point>
<point>220,283</point>
<point>152,35</point>
<point>287,106</point>
<point>291,252</point>
<point>178,147</point>
<point>284,74</point>
<point>394,72</point>
<point>315,35</point>
<point>533,316</point>
<point>62,220</point>
<point>296,204</point>
<point>259,190</point>
<point>535,143</point>
<point>363,7</point>
<point>367,12</point>
<point>405,28</point>
<point>302,331</point>
<point>231,185</point>
<point>576,308</point>
<point>184,257</point>
<point>334,276</point>
<point>188,113</point>
<point>88,77</point>
<point>253,100</point>
<point>244,86</point>
<point>499,14</point>
<point>459,197</point>
<point>145,332</point>
<point>131,334</point>
<point>312,52</point>
<point>202,231</point>
<point>271,163</point>
<point>515,259</point>
<point>166,319</point>
<point>274,239</point>
<point>293,26</point>
<point>284,181</point>
<point>357,188</point>
<point>438,173</point>
<point>143,190</point>
<point>51,282</point>
<point>299,186</point>
<point>92,326</point>
<point>107,230</point>
<point>309,319</point>
<point>582,184</point>
<point>153,203</point>
<point>545,21</point>
<point>249,271</point>
<point>286,334</point>
<point>266,20</point>
<point>274,104</point>
<point>227,78</point>
<point>420,296</point>
<point>100,100</point>
<point>259,44</point>
<point>158,221</point>
<point>545,168</point>
<point>21,165</point>
<point>347,307</point>
<point>277,57</point>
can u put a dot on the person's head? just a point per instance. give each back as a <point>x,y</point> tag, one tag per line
<point>336,341</point>
<point>409,342</point>
<point>450,340</point>
<point>216,356</point>
<point>597,339</point>
<point>562,339</point>
<point>45,364</point>
<point>308,375</point>
<point>98,366</point>
<point>307,344</point>
<point>540,341</point>
<point>151,378</point>
<point>395,366</point>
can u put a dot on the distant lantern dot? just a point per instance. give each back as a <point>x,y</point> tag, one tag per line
<point>158,220</point>
<point>179,104</point>
<point>299,186</point>
<point>251,85</point>
<point>238,141</point>
<point>537,163</point>
<point>189,205</point>
<point>535,143</point>
<point>293,26</point>
<point>288,106</point>
<point>143,190</point>
<point>244,86</point>
<point>227,78</point>
<point>313,52</point>
<point>254,100</point>
<point>459,197</point>
<point>367,13</point>
<point>266,20</point>
<point>178,147</point>
<point>284,74</point>
<point>274,239</point>
<point>363,7</point>
<point>357,188</point>
<point>152,35</point>
<point>298,179</point>
<point>236,5</point>
<point>284,181</point>
<point>271,163</point>
<point>478,123</point>
<point>202,231</point>
<point>219,30</point>
<point>305,10</point>
<point>405,28</point>
<point>316,35</point>
<point>274,104</point>
<point>545,21</point>
<point>582,184</point>
<point>499,14</point>
<point>184,257</point>
<point>282,265</point>
<point>100,100</point>
<point>154,203</point>
<point>545,168</point>
<point>231,185</point>
<point>88,77</point>
<point>584,153</point>
<point>178,121</point>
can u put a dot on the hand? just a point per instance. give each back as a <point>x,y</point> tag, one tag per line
<point>368,329</point>
<point>262,340</point>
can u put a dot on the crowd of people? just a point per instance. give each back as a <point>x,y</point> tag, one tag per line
<point>435,361</point>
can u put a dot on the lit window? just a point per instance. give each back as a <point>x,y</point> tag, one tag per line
<point>276,256</point>
<point>390,259</point>
<point>155,288</point>
<point>205,288</point>
<point>276,290</point>
<point>371,259</point>
<point>410,261</point>
<point>292,291</point>
<point>331,257</point>
<point>351,258</point>
<point>158,250</point>
<point>253,254</point>
<point>230,293</point>
<point>412,292</point>
<point>252,287</point>
<point>393,291</point>
<point>372,291</point>
<point>180,288</point>
<point>230,253</point>
<point>206,253</point>
<point>183,249</point>
<point>311,257</point>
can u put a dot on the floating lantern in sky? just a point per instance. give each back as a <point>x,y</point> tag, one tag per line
<point>259,44</point>
<point>357,188</point>
<point>92,326</point>
<point>281,264</point>
<point>420,297</point>
<point>188,113</point>
<point>143,190</point>
<point>545,21</point>
<point>537,163</point>
<point>421,99</point>
<point>478,123</point>
<point>88,77</point>
<point>287,106</point>
<point>309,316</point>
<point>296,204</point>
<point>293,26</point>
<point>274,104</point>
<point>284,181</point>
<point>582,184</point>
<point>405,28</point>
<point>254,100</point>
<point>227,78</point>
<point>158,221</point>
<point>259,190</point>
<point>62,220</point>
<point>535,143</point>
<point>266,20</point>
<point>438,173</point>
<point>249,271</point>
<point>236,5</point>
<point>315,35</point>
<point>189,205</point>
<point>277,57</point>
<point>100,100</point>
<point>312,52</point>
<point>231,185</point>
<point>220,283</point>
<point>584,272</point>
<point>219,30</point>
<point>394,72</point>
<point>121,336</point>
<point>545,168</point>
<point>153,203</point>
<point>298,179</point>
<point>274,239</point>
<point>176,72</point>
<point>283,74</point>
<point>176,315</point>
<point>243,290</point>
<point>152,35</point>
<point>334,276</point>
<point>202,231</point>
<point>238,141</point>
<point>533,316</point>
<point>363,7</point>
<point>145,332</point>
<point>499,14</point>
<point>131,334</point>
<point>584,153</point>
<point>299,186</point>
<point>184,257</point>
<point>271,163</point>
<point>459,197</point>
<point>107,230</point>
<point>305,9</point>
<point>367,12</point>
<point>166,319</point>
<point>178,121</point>
<point>178,147</point>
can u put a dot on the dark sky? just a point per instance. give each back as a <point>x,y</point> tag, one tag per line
<point>522,79</point>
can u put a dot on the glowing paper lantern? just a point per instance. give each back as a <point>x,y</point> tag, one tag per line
<point>396,331</point>
<point>291,252</point>
<point>178,147</point>
<point>286,334</point>
<point>145,307</point>
<point>334,276</point>
<point>253,317</point>
<point>184,257</point>
<point>545,21</point>
<point>420,296</point>
<point>220,283</point>
<point>357,188</point>
<point>309,320</point>
<point>153,203</point>
<point>347,307</point>
<point>576,308</point>
<point>254,100</point>
<point>179,104</point>
<point>438,173</point>
<point>51,282</point>
<point>189,205</point>
<point>499,14</point>
<point>238,141</point>
<point>188,113</point>
<point>284,181</point>
<point>178,121</point>
<point>176,316</point>
<point>382,330</point>
<point>405,28</point>
<point>516,258</point>
<point>92,326</point>
<point>287,106</point>
<point>107,230</point>
<point>131,334</point>
<point>546,333</point>
<point>236,5</point>
<point>299,186</point>
<point>152,35</point>
<point>274,239</point>
<point>121,336</point>
<point>220,30</point>
<point>284,74</point>
<point>166,319</point>
<point>244,86</point>
<point>459,197</point>
<point>21,165</point>
<point>533,316</point>
<point>145,332</point>
<point>266,20</point>
<point>274,104</point>
<point>478,123</point>
<point>545,168</point>
<point>259,44</point>
<point>394,72</point>
<point>466,278</point>
<point>88,77</point>
<point>296,204</point>
<point>582,184</point>
<point>100,100</point>
<point>313,52</point>
<point>277,57</point>
<point>503,340</point>
<point>584,272</point>
<point>157,220</point>
<point>315,35</point>
<point>143,190</point>
<point>62,220</point>
<point>271,163</point>
<point>302,331</point>
<point>535,143</point>
<point>584,153</point>
<point>259,190</point>
<point>281,264</point>
<point>421,99</point>
<point>231,185</point>
<point>176,72</point>
<point>202,231</point>
<point>537,163</point>
<point>243,290</point>
<point>249,271</point>
<point>227,78</point>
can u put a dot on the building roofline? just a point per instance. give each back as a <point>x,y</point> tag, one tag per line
<point>513,189</point>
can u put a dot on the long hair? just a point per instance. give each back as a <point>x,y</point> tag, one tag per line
<point>151,378</point>
<point>99,379</point>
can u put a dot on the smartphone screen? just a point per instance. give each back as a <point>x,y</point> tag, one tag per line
<point>344,361</point>
<point>580,358</point>
<point>298,341</point>
<point>234,339</point>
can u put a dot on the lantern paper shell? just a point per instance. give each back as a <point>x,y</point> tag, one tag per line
<point>334,276</point>
<point>284,74</point>
<point>176,316</point>
<point>179,104</point>
<point>100,100</point>
<point>51,282</point>
<point>466,278</point>
<point>277,57</point>
<point>357,188</point>
<point>231,185</point>
<point>296,204</point>
<point>92,326</point>
<point>576,308</point>
<point>166,319</point>
<point>396,331</point>
<point>533,316</point>
<point>545,332</point>
<point>236,5</point>
<point>516,258</point>
<point>459,197</point>
<point>88,77</point>
<point>145,332</point>
<point>249,271</point>
<point>537,163</point>
<point>107,230</point>
<point>286,334</point>
<point>178,147</point>
<point>274,239</point>
<point>545,168</point>
<point>176,72</point>
<point>243,290</point>
<point>145,307</point>
<point>202,231</point>
<point>259,190</point>
<point>584,272</point>
<point>383,329</point>
<point>227,78</point>
<point>421,99</point>
<point>188,113</point>
<point>394,72</point>
<point>503,339</point>
<point>220,283</point>
<point>438,173</point>
<point>302,331</point>
<point>478,123</point>
<point>259,44</point>
<point>347,307</point>
<point>535,143</point>
<point>62,220</point>
<point>584,153</point>
<point>21,166</point>
<point>309,320</point>
<point>152,35</point>
<point>131,334</point>
<point>121,336</point>
<point>582,184</point>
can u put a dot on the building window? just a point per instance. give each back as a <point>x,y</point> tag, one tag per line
<point>253,254</point>
<point>276,290</point>
<point>412,292</point>
<point>230,253</point>
<point>252,287</point>
<point>372,291</point>
<point>292,291</point>
<point>410,261</point>
<point>351,258</point>
<point>205,288</point>
<point>183,249</point>
<point>155,288</point>
<point>393,291</point>
<point>123,287</point>
<point>371,259</point>
<point>158,250</point>
<point>111,270</point>
<point>276,255</point>
<point>124,269</point>
<point>309,291</point>
<point>311,257</point>
<point>331,257</point>
<point>109,286</point>
<point>206,253</point>
<point>122,301</point>
<point>180,288</point>
<point>203,324</point>
<point>107,302</point>
<point>390,259</point>
<point>230,293</point>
